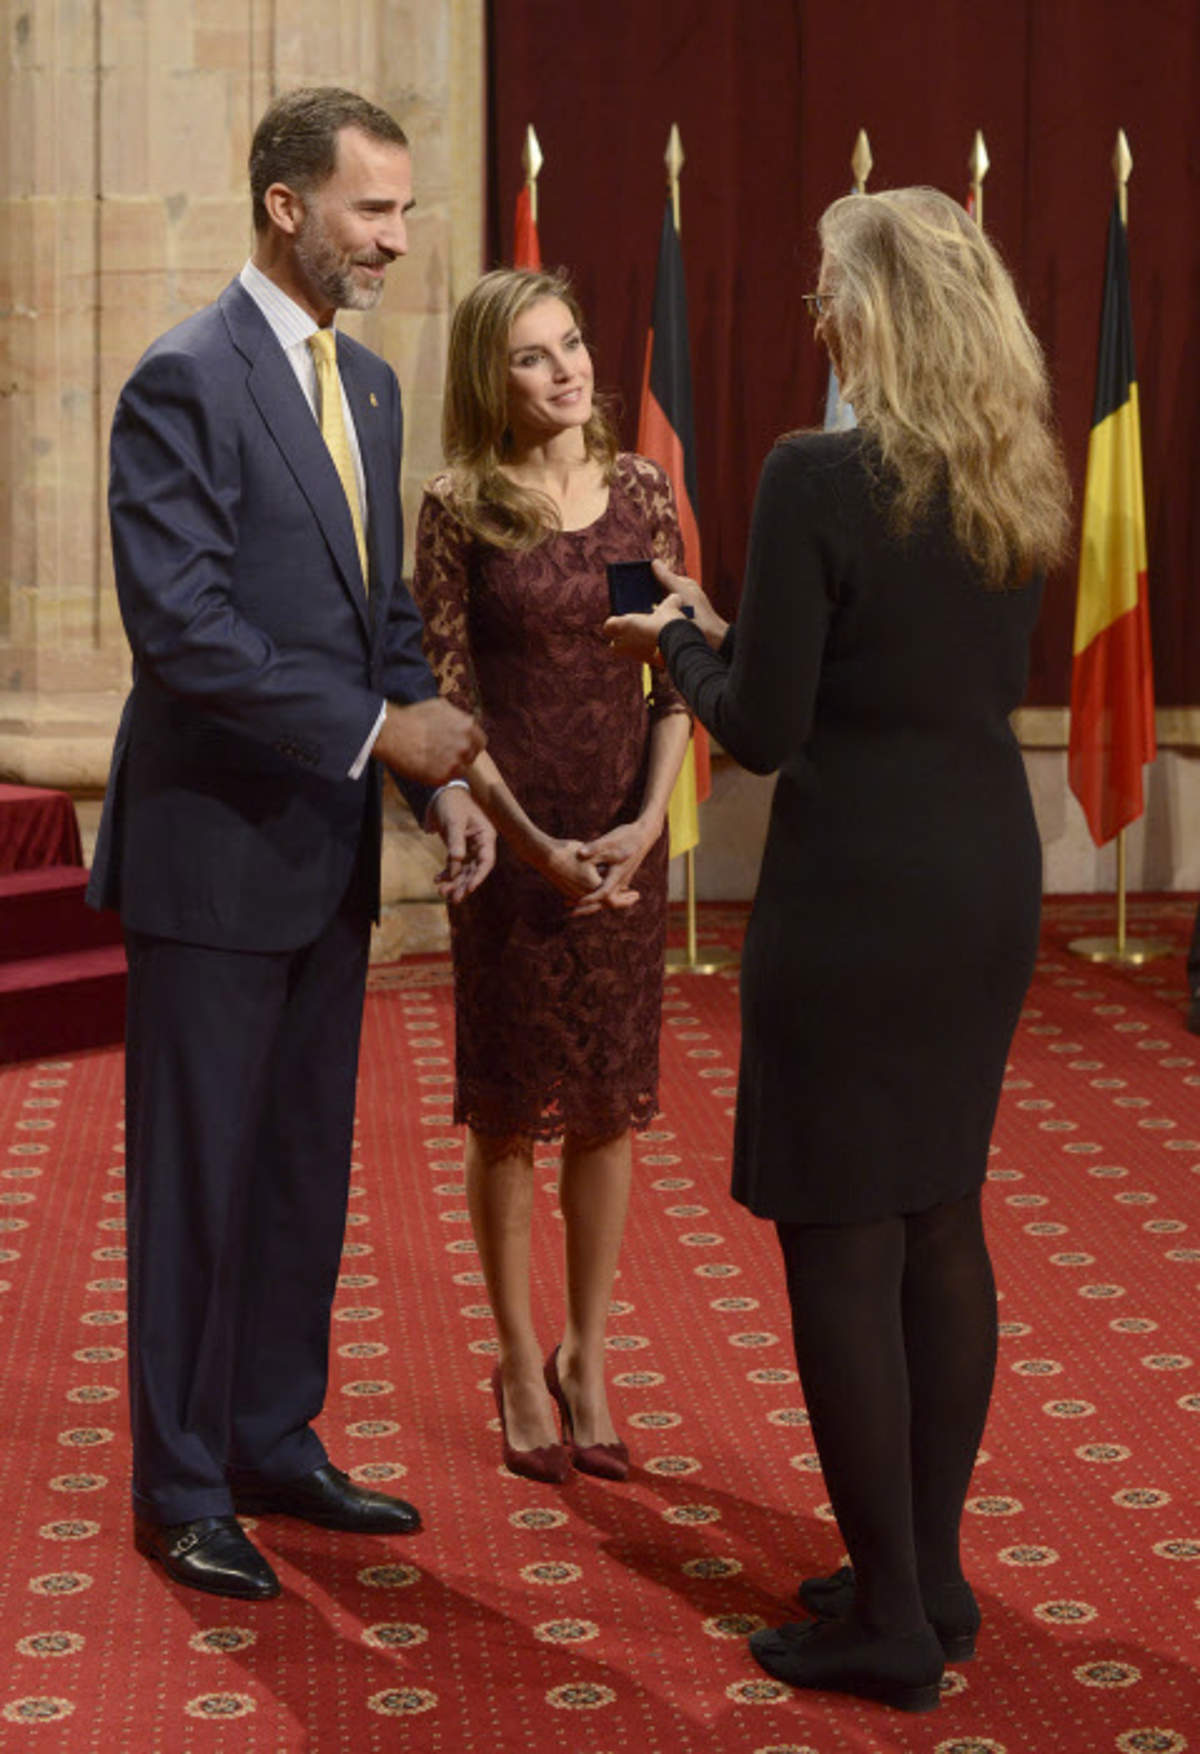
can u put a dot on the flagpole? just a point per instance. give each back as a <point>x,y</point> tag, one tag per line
<point>1129,952</point>
<point>861,162</point>
<point>978,164</point>
<point>674,160</point>
<point>689,959</point>
<point>531,164</point>
<point>1122,163</point>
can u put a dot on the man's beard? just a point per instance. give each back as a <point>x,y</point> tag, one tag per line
<point>329,272</point>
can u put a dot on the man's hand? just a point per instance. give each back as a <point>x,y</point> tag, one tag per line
<point>429,741</point>
<point>470,842</point>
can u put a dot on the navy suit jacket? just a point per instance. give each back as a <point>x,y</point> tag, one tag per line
<point>260,663</point>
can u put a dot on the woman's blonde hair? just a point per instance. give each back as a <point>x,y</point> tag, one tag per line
<point>475,433</point>
<point>946,376</point>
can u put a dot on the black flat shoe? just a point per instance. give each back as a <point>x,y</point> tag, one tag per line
<point>211,1554</point>
<point>330,1499</point>
<point>829,1598</point>
<point>953,1612</point>
<point>839,1656</point>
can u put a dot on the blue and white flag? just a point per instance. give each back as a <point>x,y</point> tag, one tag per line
<point>839,415</point>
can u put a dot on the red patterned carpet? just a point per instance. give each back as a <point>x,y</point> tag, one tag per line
<point>597,1618</point>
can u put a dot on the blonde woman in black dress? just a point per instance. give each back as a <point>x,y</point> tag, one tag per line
<point>893,581</point>
<point>558,958</point>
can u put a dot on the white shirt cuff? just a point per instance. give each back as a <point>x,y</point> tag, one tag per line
<point>364,754</point>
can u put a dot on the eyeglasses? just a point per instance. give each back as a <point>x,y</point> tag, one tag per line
<point>817,303</point>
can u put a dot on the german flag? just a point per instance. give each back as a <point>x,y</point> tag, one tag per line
<point>666,433</point>
<point>527,251</point>
<point>1112,678</point>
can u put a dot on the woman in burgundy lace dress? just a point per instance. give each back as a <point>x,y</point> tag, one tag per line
<point>558,958</point>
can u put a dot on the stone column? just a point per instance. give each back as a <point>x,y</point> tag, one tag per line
<point>56,626</point>
<point>123,207</point>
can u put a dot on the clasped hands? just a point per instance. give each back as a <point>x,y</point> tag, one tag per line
<point>597,873</point>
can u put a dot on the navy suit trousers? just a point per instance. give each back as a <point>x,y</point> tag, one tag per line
<point>240,1088</point>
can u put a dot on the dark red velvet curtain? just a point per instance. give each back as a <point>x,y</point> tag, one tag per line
<point>769,95</point>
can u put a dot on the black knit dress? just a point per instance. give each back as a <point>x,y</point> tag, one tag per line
<point>895,925</point>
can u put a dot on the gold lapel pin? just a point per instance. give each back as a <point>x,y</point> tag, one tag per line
<point>374,400</point>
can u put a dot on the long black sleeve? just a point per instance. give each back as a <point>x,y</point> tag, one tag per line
<point>757,694</point>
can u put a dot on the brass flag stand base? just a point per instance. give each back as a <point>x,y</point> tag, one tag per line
<point>689,960</point>
<point>1126,952</point>
<point>1129,952</point>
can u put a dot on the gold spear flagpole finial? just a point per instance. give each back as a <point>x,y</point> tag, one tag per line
<point>978,163</point>
<point>861,161</point>
<point>674,160</point>
<point>531,163</point>
<point>1122,163</point>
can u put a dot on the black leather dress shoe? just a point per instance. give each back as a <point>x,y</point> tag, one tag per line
<point>330,1499</point>
<point>211,1554</point>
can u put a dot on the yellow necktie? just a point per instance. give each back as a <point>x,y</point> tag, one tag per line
<point>333,430</point>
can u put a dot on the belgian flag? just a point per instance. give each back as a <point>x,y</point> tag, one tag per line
<point>666,433</point>
<point>1112,678</point>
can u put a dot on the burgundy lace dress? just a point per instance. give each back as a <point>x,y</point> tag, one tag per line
<point>557,1019</point>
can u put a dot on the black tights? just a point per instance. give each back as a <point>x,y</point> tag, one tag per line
<point>895,1331</point>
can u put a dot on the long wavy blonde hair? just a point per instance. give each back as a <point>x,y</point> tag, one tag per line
<point>475,433</point>
<point>946,376</point>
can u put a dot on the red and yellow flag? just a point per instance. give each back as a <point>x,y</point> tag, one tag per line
<point>666,433</point>
<point>527,252</point>
<point>1112,678</point>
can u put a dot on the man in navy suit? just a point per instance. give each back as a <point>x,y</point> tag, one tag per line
<point>277,668</point>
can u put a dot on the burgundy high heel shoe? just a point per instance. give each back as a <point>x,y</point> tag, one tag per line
<point>550,1464</point>
<point>607,1461</point>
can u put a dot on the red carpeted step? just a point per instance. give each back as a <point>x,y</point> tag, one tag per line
<point>59,1004</point>
<point>43,913</point>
